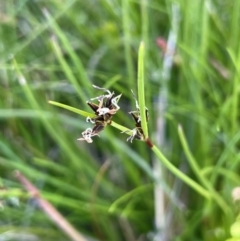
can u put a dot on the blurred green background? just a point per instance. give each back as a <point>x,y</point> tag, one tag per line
<point>111,189</point>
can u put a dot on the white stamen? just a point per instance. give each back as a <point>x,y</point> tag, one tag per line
<point>109,93</point>
<point>115,100</point>
<point>99,98</point>
<point>134,133</point>
<point>87,134</point>
<point>90,120</point>
<point>103,111</point>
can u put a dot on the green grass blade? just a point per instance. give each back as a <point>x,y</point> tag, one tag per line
<point>127,40</point>
<point>67,45</point>
<point>67,69</point>
<point>127,196</point>
<point>235,91</point>
<point>141,94</point>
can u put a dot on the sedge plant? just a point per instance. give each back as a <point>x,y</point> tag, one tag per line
<point>204,189</point>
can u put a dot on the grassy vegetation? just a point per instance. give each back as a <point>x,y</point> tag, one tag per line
<point>112,189</point>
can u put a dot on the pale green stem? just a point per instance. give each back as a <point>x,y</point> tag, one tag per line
<point>180,174</point>
<point>198,172</point>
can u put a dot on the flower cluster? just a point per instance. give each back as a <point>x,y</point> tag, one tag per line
<point>137,132</point>
<point>105,109</point>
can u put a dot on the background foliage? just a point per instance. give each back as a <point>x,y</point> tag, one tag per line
<point>55,50</point>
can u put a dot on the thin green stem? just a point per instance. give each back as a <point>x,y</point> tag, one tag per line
<point>161,157</point>
<point>70,108</point>
<point>180,174</point>
<point>87,114</point>
<point>198,172</point>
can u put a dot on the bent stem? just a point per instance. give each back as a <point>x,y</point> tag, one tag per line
<point>198,172</point>
<point>161,157</point>
<point>180,174</point>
